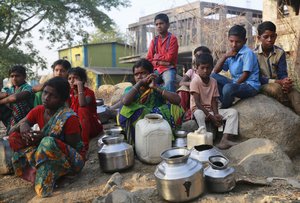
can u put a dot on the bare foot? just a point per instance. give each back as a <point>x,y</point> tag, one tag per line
<point>226,144</point>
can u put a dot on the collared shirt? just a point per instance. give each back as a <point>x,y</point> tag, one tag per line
<point>164,50</point>
<point>272,67</point>
<point>244,60</point>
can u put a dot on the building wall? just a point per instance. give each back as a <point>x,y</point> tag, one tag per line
<point>75,55</point>
<point>99,55</point>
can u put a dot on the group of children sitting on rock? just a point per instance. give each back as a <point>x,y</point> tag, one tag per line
<point>65,109</point>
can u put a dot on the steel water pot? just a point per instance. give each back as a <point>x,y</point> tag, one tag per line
<point>180,139</point>
<point>219,177</point>
<point>115,155</point>
<point>203,152</point>
<point>178,177</point>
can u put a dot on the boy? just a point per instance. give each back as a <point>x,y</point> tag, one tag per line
<point>273,68</point>
<point>243,66</point>
<point>184,84</point>
<point>16,101</point>
<point>204,91</point>
<point>60,69</point>
<point>163,52</point>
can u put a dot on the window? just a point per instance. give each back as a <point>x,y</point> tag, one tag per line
<point>65,57</point>
<point>77,57</point>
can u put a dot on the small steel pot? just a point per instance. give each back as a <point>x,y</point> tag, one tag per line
<point>218,176</point>
<point>115,155</point>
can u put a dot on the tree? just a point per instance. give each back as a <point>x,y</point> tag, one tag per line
<point>58,21</point>
<point>114,35</point>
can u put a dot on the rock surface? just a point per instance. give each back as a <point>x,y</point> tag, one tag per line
<point>261,157</point>
<point>264,117</point>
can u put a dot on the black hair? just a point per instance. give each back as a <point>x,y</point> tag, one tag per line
<point>204,59</point>
<point>80,72</point>
<point>18,69</point>
<point>61,85</point>
<point>203,49</point>
<point>267,25</point>
<point>162,17</point>
<point>64,63</point>
<point>237,30</point>
<point>143,63</point>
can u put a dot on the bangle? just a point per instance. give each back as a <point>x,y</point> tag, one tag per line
<point>80,92</point>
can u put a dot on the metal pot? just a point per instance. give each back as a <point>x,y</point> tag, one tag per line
<point>115,155</point>
<point>112,132</point>
<point>218,176</point>
<point>178,177</point>
<point>203,152</point>
<point>180,140</point>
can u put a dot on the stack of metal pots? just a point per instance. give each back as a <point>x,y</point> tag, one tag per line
<point>180,176</point>
<point>115,154</point>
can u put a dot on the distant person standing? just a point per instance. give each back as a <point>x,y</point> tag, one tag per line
<point>242,64</point>
<point>273,68</point>
<point>163,52</point>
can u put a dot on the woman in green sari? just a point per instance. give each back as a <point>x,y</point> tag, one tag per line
<point>42,157</point>
<point>147,97</point>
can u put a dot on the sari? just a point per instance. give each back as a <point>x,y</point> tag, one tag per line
<point>151,101</point>
<point>51,158</point>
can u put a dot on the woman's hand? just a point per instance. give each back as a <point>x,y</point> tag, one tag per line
<point>148,80</point>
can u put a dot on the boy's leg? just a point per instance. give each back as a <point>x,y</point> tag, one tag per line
<point>231,127</point>
<point>200,118</point>
<point>294,97</point>
<point>169,78</point>
<point>221,80</point>
<point>236,90</point>
<point>273,90</point>
<point>231,117</point>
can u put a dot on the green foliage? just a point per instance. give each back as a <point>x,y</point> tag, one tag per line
<point>114,35</point>
<point>58,21</point>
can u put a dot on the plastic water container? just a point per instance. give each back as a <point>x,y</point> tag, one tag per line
<point>153,135</point>
<point>199,137</point>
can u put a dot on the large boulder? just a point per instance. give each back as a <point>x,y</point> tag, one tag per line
<point>264,117</point>
<point>119,91</point>
<point>260,157</point>
<point>105,92</point>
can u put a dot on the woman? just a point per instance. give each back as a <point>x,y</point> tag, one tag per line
<point>43,156</point>
<point>83,102</point>
<point>146,97</point>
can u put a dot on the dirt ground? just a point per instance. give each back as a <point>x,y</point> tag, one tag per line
<point>90,183</point>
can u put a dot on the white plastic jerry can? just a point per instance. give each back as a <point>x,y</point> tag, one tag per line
<point>153,135</point>
<point>199,137</point>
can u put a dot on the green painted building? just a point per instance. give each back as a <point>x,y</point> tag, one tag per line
<point>99,57</point>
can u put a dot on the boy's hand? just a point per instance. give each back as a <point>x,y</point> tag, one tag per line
<point>217,120</point>
<point>230,53</point>
<point>286,84</point>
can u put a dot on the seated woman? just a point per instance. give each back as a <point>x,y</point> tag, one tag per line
<point>43,156</point>
<point>83,102</point>
<point>146,97</point>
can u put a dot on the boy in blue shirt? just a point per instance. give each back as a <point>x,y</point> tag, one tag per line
<point>243,66</point>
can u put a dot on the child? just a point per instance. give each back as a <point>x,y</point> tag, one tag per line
<point>243,66</point>
<point>83,102</point>
<point>163,52</point>
<point>60,69</point>
<point>204,91</point>
<point>16,101</point>
<point>273,68</point>
<point>184,84</point>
